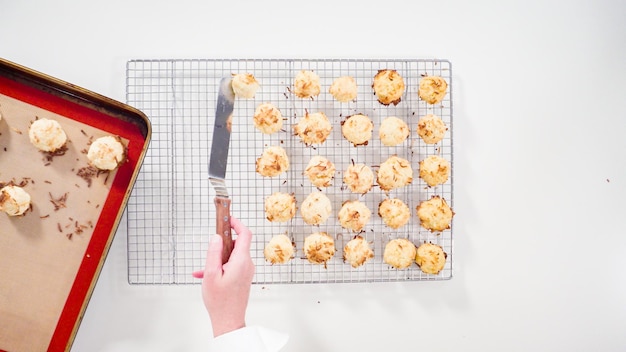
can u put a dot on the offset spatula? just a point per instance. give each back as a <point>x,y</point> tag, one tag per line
<point>219,160</point>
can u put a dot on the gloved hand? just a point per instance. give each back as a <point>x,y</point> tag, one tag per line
<point>226,288</point>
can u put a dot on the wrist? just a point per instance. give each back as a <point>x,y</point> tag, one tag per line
<point>221,328</point>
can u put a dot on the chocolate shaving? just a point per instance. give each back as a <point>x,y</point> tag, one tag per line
<point>49,156</point>
<point>58,202</point>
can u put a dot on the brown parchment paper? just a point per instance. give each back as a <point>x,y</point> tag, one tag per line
<point>41,251</point>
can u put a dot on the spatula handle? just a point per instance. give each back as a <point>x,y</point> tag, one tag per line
<point>222,205</point>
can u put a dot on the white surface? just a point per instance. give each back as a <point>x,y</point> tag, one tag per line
<point>540,176</point>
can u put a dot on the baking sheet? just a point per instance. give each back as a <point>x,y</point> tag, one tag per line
<point>170,213</point>
<point>50,257</point>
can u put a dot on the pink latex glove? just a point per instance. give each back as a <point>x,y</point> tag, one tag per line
<point>226,288</point>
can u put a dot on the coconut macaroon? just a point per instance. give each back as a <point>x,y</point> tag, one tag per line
<point>432,89</point>
<point>388,86</point>
<point>316,208</point>
<point>14,200</point>
<point>307,84</point>
<point>47,135</point>
<point>434,170</point>
<point>343,89</point>
<point>430,258</point>
<point>273,162</point>
<point>279,250</point>
<point>393,131</point>
<point>319,247</point>
<point>267,118</point>
<point>431,128</point>
<point>394,212</point>
<point>357,251</point>
<point>280,207</point>
<point>245,85</point>
<point>435,214</point>
<point>395,172</point>
<point>107,153</point>
<point>359,178</point>
<point>320,171</point>
<point>357,129</point>
<point>313,128</point>
<point>399,253</point>
<point>354,215</point>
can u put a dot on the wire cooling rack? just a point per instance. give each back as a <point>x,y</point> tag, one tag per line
<point>171,213</point>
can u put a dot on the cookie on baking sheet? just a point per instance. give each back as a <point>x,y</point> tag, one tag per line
<point>388,86</point>
<point>432,89</point>
<point>431,128</point>
<point>430,258</point>
<point>267,118</point>
<point>107,153</point>
<point>393,131</point>
<point>435,214</point>
<point>313,128</point>
<point>47,135</point>
<point>316,208</point>
<point>354,215</point>
<point>245,85</point>
<point>357,251</point>
<point>273,162</point>
<point>357,129</point>
<point>320,171</point>
<point>14,200</point>
<point>319,248</point>
<point>279,250</point>
<point>343,89</point>
<point>394,212</point>
<point>399,253</point>
<point>359,178</point>
<point>307,84</point>
<point>434,170</point>
<point>395,172</point>
<point>280,207</point>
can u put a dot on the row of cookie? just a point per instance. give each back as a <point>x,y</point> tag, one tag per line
<point>105,153</point>
<point>388,86</point>
<point>395,172</point>
<point>314,128</point>
<point>319,248</point>
<point>434,214</point>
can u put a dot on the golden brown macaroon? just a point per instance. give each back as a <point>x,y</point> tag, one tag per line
<point>107,153</point>
<point>434,170</point>
<point>273,162</point>
<point>319,248</point>
<point>431,128</point>
<point>430,258</point>
<point>399,253</point>
<point>320,171</point>
<point>280,207</point>
<point>354,215</point>
<point>47,135</point>
<point>395,172</point>
<point>393,131</point>
<point>14,200</point>
<point>267,118</point>
<point>343,89</point>
<point>357,129</point>
<point>307,84</point>
<point>359,178</point>
<point>388,86</point>
<point>394,212</point>
<point>313,128</point>
<point>245,85</point>
<point>435,214</point>
<point>357,251</point>
<point>432,89</point>
<point>316,208</point>
<point>279,250</point>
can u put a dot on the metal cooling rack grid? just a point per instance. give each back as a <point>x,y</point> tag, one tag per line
<point>170,212</point>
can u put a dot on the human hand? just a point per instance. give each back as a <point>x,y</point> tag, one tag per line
<point>226,288</point>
